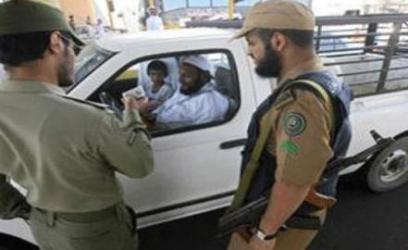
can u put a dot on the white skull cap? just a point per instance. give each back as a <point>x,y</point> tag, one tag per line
<point>198,61</point>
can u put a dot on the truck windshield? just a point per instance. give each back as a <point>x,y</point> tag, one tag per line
<point>90,58</point>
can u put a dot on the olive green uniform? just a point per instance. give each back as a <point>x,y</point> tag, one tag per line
<point>65,153</point>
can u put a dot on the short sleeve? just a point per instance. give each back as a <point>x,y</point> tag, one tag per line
<point>303,139</point>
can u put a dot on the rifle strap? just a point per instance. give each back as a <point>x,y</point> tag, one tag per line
<point>265,130</point>
<point>323,94</point>
<point>253,163</point>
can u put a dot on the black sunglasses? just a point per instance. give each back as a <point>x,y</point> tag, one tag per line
<point>77,49</point>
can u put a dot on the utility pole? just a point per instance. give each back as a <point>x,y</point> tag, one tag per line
<point>231,8</point>
<point>111,8</point>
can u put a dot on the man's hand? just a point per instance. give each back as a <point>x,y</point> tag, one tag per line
<point>132,102</point>
<point>152,105</point>
<point>257,244</point>
<point>12,203</point>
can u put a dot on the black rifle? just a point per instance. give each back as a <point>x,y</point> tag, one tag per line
<point>249,214</point>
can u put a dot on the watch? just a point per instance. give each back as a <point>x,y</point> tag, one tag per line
<point>265,237</point>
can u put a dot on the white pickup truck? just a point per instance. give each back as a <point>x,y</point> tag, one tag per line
<point>197,167</point>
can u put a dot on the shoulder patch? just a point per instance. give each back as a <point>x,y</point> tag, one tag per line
<point>294,123</point>
<point>93,104</point>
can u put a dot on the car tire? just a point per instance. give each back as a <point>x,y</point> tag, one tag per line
<point>388,169</point>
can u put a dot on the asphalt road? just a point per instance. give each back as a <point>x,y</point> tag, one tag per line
<point>361,220</point>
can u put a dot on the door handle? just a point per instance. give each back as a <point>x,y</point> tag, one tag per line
<point>233,143</point>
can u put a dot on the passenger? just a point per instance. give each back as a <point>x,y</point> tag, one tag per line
<point>157,91</point>
<point>172,77</point>
<point>196,101</point>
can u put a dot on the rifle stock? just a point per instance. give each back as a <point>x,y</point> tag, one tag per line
<point>250,214</point>
<point>246,216</point>
<point>319,200</point>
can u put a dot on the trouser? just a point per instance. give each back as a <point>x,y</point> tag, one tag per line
<point>106,229</point>
<point>289,239</point>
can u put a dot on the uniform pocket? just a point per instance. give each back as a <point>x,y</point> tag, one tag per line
<point>77,230</point>
<point>101,235</point>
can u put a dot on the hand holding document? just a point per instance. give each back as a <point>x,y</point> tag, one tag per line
<point>135,98</point>
<point>137,93</point>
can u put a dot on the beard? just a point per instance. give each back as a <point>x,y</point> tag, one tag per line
<point>191,90</point>
<point>64,80</point>
<point>65,70</point>
<point>270,65</point>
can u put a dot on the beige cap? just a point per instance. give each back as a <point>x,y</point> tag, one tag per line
<point>278,14</point>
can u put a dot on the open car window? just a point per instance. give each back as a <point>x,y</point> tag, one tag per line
<point>182,92</point>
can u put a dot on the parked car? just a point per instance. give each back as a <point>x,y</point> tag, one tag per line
<point>197,166</point>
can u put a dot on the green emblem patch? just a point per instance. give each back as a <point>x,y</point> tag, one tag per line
<point>294,124</point>
<point>290,147</point>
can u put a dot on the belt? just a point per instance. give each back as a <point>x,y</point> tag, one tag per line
<point>83,216</point>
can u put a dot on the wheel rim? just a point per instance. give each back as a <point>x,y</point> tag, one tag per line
<point>394,166</point>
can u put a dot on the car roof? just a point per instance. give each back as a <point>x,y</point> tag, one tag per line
<point>121,42</point>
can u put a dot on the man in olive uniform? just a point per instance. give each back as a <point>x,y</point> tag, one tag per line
<point>63,151</point>
<point>307,116</point>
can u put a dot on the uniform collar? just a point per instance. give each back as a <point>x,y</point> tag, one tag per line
<point>314,64</point>
<point>30,87</point>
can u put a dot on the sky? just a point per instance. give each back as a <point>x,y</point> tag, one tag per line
<point>320,7</point>
<point>174,4</point>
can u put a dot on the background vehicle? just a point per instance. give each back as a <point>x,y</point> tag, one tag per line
<point>197,167</point>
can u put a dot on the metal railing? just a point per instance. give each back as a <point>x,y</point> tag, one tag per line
<point>370,50</point>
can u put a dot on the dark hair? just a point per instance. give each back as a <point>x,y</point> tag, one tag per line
<point>157,65</point>
<point>19,48</point>
<point>301,38</point>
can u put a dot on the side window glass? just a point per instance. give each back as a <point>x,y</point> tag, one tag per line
<point>179,93</point>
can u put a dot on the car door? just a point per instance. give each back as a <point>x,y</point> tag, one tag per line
<point>371,108</point>
<point>197,168</point>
